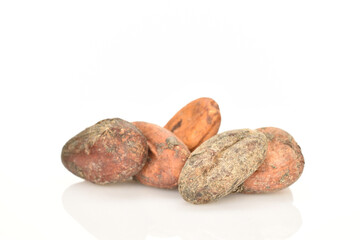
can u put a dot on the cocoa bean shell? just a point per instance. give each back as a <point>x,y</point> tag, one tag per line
<point>196,122</point>
<point>283,165</point>
<point>219,165</point>
<point>112,150</point>
<point>167,156</point>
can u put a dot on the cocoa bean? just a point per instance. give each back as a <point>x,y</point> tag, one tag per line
<point>219,165</point>
<point>283,165</point>
<point>112,150</point>
<point>196,122</point>
<point>167,156</point>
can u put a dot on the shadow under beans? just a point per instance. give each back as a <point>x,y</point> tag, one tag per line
<point>133,211</point>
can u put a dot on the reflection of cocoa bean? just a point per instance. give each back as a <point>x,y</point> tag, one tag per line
<point>166,158</point>
<point>196,122</point>
<point>133,211</point>
<point>113,150</point>
<point>219,165</point>
<point>283,164</point>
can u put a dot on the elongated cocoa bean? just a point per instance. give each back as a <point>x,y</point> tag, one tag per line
<point>113,150</point>
<point>219,165</point>
<point>283,165</point>
<point>167,156</point>
<point>196,122</point>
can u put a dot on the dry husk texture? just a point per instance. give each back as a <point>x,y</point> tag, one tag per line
<point>219,165</point>
<point>167,156</point>
<point>113,150</point>
<point>283,165</point>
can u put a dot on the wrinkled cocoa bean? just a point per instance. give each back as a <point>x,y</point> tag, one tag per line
<point>283,165</point>
<point>166,158</point>
<point>112,150</point>
<point>219,165</point>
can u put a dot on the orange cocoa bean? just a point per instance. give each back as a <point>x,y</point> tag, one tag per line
<point>283,165</point>
<point>167,156</point>
<point>196,122</point>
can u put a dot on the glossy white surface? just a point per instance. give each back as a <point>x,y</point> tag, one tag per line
<point>66,65</point>
<point>132,211</point>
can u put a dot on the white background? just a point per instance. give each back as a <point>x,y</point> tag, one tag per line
<point>64,65</point>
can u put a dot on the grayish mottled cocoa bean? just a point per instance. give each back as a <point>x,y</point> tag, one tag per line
<point>219,165</point>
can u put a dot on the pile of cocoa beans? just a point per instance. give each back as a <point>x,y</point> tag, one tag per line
<point>187,153</point>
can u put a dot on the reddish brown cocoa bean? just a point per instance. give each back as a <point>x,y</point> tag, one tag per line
<point>283,164</point>
<point>219,165</point>
<point>112,150</point>
<point>166,157</point>
<point>196,122</point>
